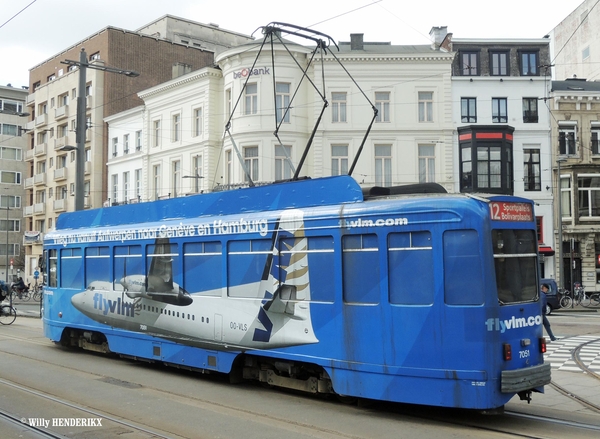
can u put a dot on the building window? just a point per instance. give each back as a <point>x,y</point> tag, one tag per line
<point>588,186</point>
<point>567,138</point>
<point>138,140</point>
<point>197,168</point>
<point>156,129</point>
<point>383,165</point>
<point>11,106</point>
<point>529,63</point>
<point>426,164</point>
<point>115,188</point>
<point>499,110</point>
<point>382,103</point>
<point>251,99</point>
<point>531,169</point>
<point>338,107</point>
<point>156,181</point>
<point>468,110</point>
<point>594,136</point>
<point>10,177</point>
<point>282,102</point>
<point>283,166</point>
<point>176,128</point>
<point>251,162</point>
<point>565,196</point>
<point>176,173</point>
<point>339,159</point>
<point>8,153</point>
<point>499,63</point>
<point>125,186</point>
<point>530,110</point>
<point>425,106</point>
<point>10,201</point>
<point>115,145</point>
<point>198,122</point>
<point>126,144</point>
<point>469,63</point>
<point>486,159</point>
<point>228,167</point>
<point>138,184</point>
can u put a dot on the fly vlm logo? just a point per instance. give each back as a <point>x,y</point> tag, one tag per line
<point>120,307</point>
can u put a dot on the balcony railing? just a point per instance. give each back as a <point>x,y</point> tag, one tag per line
<point>39,179</point>
<point>60,205</point>
<point>39,208</point>
<point>29,155</point>
<point>41,149</point>
<point>29,183</point>
<point>60,174</point>
<point>61,112</point>
<point>41,120</point>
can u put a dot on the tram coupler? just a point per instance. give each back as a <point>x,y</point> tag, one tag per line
<point>525,395</point>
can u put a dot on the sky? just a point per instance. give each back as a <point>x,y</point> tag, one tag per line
<point>32,31</point>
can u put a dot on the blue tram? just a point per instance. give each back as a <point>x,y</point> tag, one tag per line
<point>316,285</point>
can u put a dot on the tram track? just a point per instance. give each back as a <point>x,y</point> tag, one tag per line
<point>576,354</point>
<point>499,425</point>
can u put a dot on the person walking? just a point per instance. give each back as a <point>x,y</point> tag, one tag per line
<point>545,321</point>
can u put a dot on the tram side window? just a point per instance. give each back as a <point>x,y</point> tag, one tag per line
<point>246,261</point>
<point>127,262</point>
<point>52,267</point>
<point>71,268</point>
<point>202,268</point>
<point>307,263</point>
<point>515,263</point>
<point>360,269</point>
<point>97,264</point>
<point>463,273</point>
<point>410,268</point>
<point>162,265</point>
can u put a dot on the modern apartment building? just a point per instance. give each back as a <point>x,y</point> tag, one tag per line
<point>502,138</point>
<point>576,44</point>
<point>12,173</point>
<point>50,158</point>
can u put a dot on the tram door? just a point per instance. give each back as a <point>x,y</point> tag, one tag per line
<point>363,328</point>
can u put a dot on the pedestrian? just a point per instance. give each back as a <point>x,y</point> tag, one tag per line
<point>545,321</point>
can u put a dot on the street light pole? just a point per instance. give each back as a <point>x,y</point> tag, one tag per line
<point>561,283</point>
<point>81,125</point>
<point>6,274</point>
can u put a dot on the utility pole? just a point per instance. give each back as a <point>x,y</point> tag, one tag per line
<point>81,126</point>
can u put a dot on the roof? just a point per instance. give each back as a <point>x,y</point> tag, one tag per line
<point>576,84</point>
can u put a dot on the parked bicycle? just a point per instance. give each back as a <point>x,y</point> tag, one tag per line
<point>579,297</point>
<point>37,292</point>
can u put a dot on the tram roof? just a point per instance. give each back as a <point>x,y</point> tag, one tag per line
<point>278,196</point>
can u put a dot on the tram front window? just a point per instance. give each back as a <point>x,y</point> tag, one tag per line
<point>515,262</point>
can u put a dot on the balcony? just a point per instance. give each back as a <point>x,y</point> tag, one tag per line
<point>61,112</point>
<point>28,211</point>
<point>29,155</point>
<point>30,100</point>
<point>40,149</point>
<point>39,208</point>
<point>39,179</point>
<point>30,125</point>
<point>60,174</point>
<point>59,142</point>
<point>60,205</point>
<point>88,102</point>
<point>41,120</point>
<point>29,183</point>
<point>88,167</point>
<point>33,237</point>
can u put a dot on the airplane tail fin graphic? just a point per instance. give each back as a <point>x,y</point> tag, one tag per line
<point>285,284</point>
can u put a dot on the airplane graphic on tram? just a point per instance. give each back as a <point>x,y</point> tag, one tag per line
<point>152,304</point>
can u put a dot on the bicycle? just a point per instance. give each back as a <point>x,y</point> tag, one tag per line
<point>7,314</point>
<point>38,292</point>
<point>22,295</point>
<point>565,299</point>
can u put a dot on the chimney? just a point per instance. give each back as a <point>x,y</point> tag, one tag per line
<point>356,42</point>
<point>437,35</point>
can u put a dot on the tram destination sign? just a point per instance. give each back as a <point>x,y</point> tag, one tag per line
<point>509,211</point>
